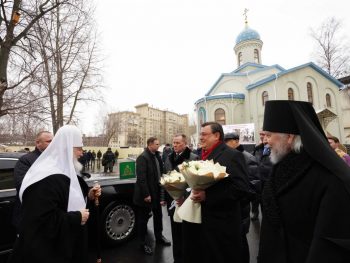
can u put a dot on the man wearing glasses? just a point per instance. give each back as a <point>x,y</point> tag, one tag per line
<point>218,237</point>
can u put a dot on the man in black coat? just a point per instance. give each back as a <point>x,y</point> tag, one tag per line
<point>108,160</point>
<point>218,237</point>
<point>232,140</point>
<point>306,201</point>
<point>180,154</point>
<point>148,194</point>
<point>262,154</point>
<point>42,140</point>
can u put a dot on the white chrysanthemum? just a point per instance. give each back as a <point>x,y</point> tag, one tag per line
<point>173,177</point>
<point>204,168</point>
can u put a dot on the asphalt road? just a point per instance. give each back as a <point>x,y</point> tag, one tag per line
<point>129,252</point>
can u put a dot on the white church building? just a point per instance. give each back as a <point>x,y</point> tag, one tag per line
<point>239,97</point>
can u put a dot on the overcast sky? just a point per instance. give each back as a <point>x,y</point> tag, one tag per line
<point>169,53</point>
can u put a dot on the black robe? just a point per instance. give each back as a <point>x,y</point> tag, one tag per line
<point>306,214</point>
<point>48,233</point>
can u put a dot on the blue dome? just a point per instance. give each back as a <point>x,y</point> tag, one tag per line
<point>247,34</point>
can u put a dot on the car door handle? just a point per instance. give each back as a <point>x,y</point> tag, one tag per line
<point>5,202</point>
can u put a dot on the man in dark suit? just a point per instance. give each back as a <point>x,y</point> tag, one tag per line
<point>262,154</point>
<point>218,237</point>
<point>147,194</point>
<point>181,153</point>
<point>42,141</point>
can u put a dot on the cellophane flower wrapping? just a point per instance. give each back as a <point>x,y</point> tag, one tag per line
<point>199,175</point>
<point>175,184</point>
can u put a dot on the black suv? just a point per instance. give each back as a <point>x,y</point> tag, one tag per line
<point>117,213</point>
<point>7,199</point>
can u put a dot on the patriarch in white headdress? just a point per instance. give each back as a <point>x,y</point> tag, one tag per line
<point>58,158</point>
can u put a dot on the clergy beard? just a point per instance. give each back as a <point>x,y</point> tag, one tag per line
<point>280,149</point>
<point>77,165</point>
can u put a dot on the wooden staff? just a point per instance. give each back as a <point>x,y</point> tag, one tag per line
<point>98,233</point>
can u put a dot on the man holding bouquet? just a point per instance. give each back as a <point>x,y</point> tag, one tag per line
<point>218,237</point>
<point>180,154</point>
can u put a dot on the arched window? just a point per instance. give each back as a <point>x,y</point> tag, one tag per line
<point>202,117</point>
<point>328,100</point>
<point>220,116</point>
<point>265,97</point>
<point>256,56</point>
<point>240,58</point>
<point>290,94</point>
<point>309,93</point>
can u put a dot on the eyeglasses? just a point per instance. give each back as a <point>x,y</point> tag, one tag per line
<point>205,134</point>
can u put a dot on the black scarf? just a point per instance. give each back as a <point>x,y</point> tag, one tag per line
<point>175,160</point>
<point>284,176</point>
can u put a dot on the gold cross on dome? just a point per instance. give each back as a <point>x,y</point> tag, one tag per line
<point>245,15</point>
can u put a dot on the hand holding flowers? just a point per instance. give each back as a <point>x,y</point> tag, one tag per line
<point>175,184</point>
<point>199,175</point>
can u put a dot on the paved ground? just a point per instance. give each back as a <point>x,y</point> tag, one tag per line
<point>129,253</point>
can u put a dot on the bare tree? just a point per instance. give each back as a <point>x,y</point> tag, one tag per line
<point>17,19</point>
<point>332,52</point>
<point>66,43</point>
<point>20,128</point>
<point>112,127</point>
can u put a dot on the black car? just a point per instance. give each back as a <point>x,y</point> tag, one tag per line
<point>117,214</point>
<point>7,199</point>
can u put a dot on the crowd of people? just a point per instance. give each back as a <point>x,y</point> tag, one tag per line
<point>298,176</point>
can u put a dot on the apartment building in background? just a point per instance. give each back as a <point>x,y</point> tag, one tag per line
<point>132,129</point>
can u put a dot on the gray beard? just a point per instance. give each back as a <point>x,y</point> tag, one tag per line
<point>77,166</point>
<point>278,152</point>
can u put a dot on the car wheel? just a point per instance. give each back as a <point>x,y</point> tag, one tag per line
<point>119,223</point>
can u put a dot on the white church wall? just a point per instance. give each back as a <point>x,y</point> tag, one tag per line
<point>238,114</point>
<point>259,75</point>
<point>344,96</point>
<point>230,84</point>
<point>286,87</point>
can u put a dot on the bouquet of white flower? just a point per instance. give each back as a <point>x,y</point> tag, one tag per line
<point>174,183</point>
<point>199,175</point>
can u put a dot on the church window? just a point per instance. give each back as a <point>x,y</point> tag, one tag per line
<point>309,93</point>
<point>328,100</point>
<point>220,116</point>
<point>240,58</point>
<point>202,117</point>
<point>290,94</point>
<point>256,56</point>
<point>265,97</point>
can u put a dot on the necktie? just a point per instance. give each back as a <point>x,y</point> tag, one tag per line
<point>266,150</point>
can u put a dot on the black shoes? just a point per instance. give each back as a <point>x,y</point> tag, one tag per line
<point>146,249</point>
<point>163,241</point>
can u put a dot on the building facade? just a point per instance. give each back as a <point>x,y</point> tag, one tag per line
<point>239,97</point>
<point>134,128</point>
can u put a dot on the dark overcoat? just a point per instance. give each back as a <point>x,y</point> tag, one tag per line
<point>48,233</point>
<point>221,212</point>
<point>306,214</point>
<point>20,170</point>
<point>147,180</point>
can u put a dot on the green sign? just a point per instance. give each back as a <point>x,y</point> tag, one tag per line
<point>127,170</point>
